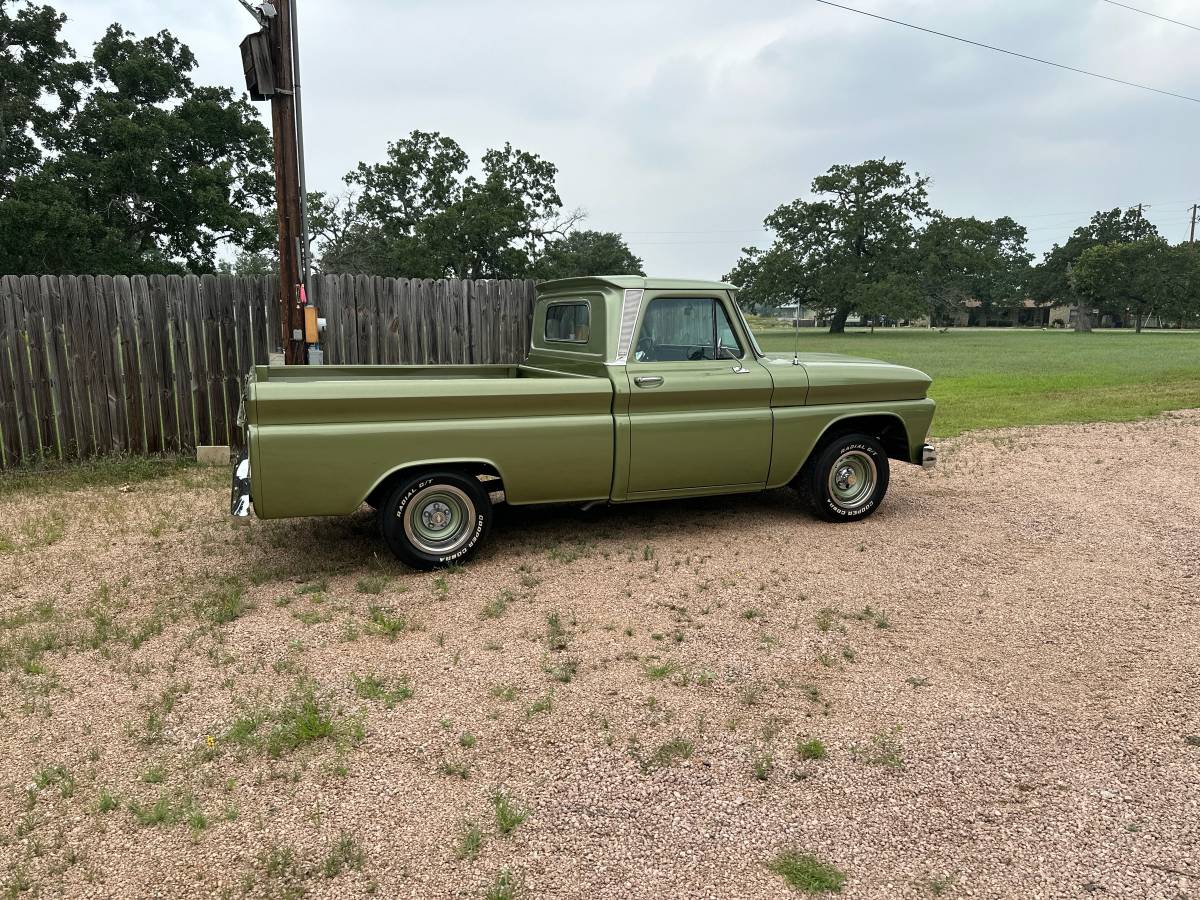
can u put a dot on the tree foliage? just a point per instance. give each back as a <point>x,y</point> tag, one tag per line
<point>421,214</point>
<point>852,249</point>
<point>1051,280</point>
<point>586,252</point>
<point>134,168</point>
<point>972,259</point>
<point>1138,279</point>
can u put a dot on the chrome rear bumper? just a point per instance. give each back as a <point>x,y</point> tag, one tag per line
<point>928,456</point>
<point>239,493</point>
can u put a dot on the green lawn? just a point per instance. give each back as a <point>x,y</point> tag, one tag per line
<point>994,378</point>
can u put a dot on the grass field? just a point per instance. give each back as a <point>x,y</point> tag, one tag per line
<point>996,378</point>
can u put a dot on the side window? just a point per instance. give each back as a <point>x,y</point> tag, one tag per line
<point>569,322</point>
<point>677,329</point>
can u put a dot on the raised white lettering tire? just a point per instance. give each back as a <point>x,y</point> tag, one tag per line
<point>435,519</point>
<point>845,479</point>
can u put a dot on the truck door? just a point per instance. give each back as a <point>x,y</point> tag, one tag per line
<point>699,402</point>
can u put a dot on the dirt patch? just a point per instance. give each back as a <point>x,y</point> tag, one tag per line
<point>988,689</point>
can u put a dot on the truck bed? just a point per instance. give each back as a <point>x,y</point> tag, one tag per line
<point>323,438</point>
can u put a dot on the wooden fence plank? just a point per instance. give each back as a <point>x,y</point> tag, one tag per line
<point>164,353</point>
<point>11,431</point>
<point>64,410</point>
<point>130,366</point>
<point>39,370</point>
<point>78,347</point>
<point>230,380</point>
<point>180,360</point>
<point>149,385</point>
<point>106,355</point>
<point>210,348</point>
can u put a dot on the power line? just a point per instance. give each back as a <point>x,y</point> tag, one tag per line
<point>1024,56</point>
<point>1146,12</point>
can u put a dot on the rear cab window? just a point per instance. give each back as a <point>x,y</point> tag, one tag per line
<point>682,329</point>
<point>569,322</point>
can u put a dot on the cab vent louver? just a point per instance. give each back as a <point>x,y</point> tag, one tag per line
<point>630,307</point>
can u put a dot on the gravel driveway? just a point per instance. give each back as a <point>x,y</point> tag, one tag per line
<point>990,689</point>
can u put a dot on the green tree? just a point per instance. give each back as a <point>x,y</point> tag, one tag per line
<point>851,249</point>
<point>587,253</point>
<point>1139,279</point>
<point>419,214</point>
<point>147,172</point>
<point>1050,281</point>
<point>972,259</point>
<point>40,82</point>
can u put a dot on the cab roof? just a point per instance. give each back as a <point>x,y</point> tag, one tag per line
<point>626,282</point>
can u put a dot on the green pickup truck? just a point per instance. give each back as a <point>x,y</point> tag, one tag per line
<point>633,389</point>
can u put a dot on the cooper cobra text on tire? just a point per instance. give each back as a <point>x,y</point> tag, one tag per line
<point>435,518</point>
<point>846,478</point>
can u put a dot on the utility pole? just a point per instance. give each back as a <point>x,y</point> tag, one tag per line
<point>269,58</point>
<point>1192,232</point>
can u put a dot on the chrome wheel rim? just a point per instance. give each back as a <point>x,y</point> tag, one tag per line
<point>852,479</point>
<point>439,519</point>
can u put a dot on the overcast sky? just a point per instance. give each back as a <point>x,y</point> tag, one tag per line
<point>682,123</point>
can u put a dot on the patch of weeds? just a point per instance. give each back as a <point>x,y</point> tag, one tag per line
<point>871,614</point>
<point>564,670</point>
<point>466,740</point>
<point>884,749</point>
<point>313,587</point>
<point>283,872</point>
<point>827,619</point>
<point>568,552</point>
<point>764,765</point>
<point>169,810</point>
<point>371,584</point>
<point>107,802</point>
<point>939,884</point>
<point>470,841</point>
<point>504,692</point>
<point>311,617</point>
<point>346,853</point>
<point>544,703</point>
<point>44,532</point>
<point>386,622</point>
<point>505,887</point>
<point>389,691</point>
<point>223,603</point>
<point>917,681</point>
<point>441,587</point>
<point>496,607</point>
<point>55,776</point>
<point>303,718</point>
<point>659,671</point>
<point>813,748</point>
<point>1192,740</point>
<point>558,635</point>
<point>750,695</point>
<point>509,815</point>
<point>156,774</point>
<point>666,754</point>
<point>751,614</point>
<point>455,768</point>
<point>805,872</point>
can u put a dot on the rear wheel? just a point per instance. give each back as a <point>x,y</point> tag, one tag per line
<point>435,519</point>
<point>846,478</point>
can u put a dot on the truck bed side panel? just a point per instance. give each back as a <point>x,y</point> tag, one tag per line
<point>324,450</point>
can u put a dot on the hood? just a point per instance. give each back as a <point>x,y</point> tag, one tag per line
<point>837,378</point>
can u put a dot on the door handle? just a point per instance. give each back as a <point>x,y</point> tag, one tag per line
<point>648,380</point>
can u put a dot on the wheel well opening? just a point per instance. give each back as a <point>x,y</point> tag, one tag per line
<point>888,430</point>
<point>485,472</point>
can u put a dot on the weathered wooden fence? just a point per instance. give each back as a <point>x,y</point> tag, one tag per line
<point>100,364</point>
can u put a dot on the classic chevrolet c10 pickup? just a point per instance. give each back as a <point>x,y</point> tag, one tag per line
<point>633,389</point>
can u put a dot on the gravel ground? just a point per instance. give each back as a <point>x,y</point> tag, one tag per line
<point>1001,668</point>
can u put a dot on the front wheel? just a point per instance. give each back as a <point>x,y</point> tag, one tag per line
<point>846,478</point>
<point>435,519</point>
